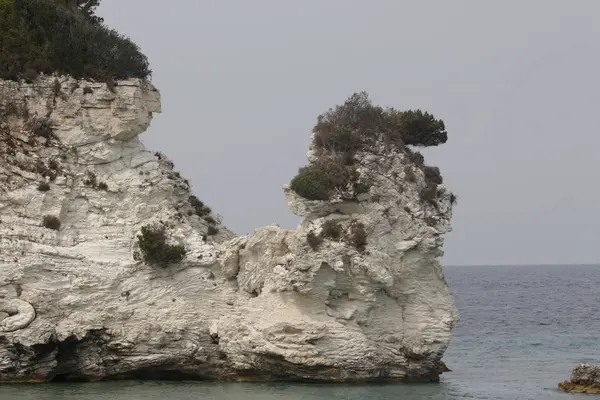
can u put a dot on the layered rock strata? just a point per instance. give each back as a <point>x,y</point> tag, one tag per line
<point>77,186</point>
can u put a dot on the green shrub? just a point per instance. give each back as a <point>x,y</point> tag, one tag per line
<point>91,180</point>
<point>41,127</point>
<point>200,208</point>
<point>415,157</point>
<point>51,222</point>
<point>102,186</point>
<point>64,37</point>
<point>357,124</point>
<point>154,248</point>
<point>328,176</point>
<point>358,236</point>
<point>421,129</point>
<point>43,187</point>
<point>312,183</point>
<point>453,199</point>
<point>212,230</point>
<point>88,90</point>
<point>432,175</point>
<point>331,230</point>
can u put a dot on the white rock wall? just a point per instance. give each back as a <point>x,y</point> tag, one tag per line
<point>79,306</point>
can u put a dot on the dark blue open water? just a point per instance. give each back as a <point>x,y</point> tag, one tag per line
<point>522,330</point>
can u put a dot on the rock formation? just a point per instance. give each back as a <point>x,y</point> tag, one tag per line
<point>355,293</point>
<point>584,379</point>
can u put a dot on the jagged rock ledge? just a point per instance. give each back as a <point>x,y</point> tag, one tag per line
<point>585,378</point>
<point>76,189</point>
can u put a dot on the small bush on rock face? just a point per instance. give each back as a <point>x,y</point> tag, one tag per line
<point>331,230</point>
<point>326,177</point>
<point>155,249</point>
<point>51,222</point>
<point>358,236</point>
<point>453,199</point>
<point>432,175</point>
<point>43,187</point>
<point>314,241</point>
<point>91,180</point>
<point>312,183</point>
<point>41,127</point>
<point>212,230</point>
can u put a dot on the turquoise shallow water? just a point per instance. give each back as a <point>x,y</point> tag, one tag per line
<point>522,330</point>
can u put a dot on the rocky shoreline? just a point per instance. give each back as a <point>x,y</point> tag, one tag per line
<point>585,378</point>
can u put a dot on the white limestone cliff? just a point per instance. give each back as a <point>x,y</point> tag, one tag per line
<point>79,305</point>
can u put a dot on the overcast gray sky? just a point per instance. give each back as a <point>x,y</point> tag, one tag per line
<point>517,83</point>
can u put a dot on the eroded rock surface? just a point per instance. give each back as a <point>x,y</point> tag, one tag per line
<point>584,379</point>
<point>81,306</point>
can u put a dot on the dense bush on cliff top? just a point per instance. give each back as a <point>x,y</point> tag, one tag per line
<point>356,125</point>
<point>65,37</point>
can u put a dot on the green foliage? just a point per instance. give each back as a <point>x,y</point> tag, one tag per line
<point>64,37</point>
<point>358,236</point>
<point>43,187</point>
<point>51,222</point>
<point>432,175</point>
<point>422,129</point>
<point>331,230</point>
<point>203,211</point>
<point>154,247</point>
<point>312,183</point>
<point>358,124</point>
<point>329,176</point>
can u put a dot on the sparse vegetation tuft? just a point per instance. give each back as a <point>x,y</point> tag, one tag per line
<point>41,127</point>
<point>154,248</point>
<point>51,222</point>
<point>358,236</point>
<point>43,187</point>
<point>331,230</point>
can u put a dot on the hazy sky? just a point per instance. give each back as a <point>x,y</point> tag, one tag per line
<point>516,82</point>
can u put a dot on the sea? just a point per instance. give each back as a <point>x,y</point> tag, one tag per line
<point>522,330</point>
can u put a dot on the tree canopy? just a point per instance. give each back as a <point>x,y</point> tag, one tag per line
<point>357,125</point>
<point>65,37</point>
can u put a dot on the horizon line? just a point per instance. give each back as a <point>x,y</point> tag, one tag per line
<point>595,264</point>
